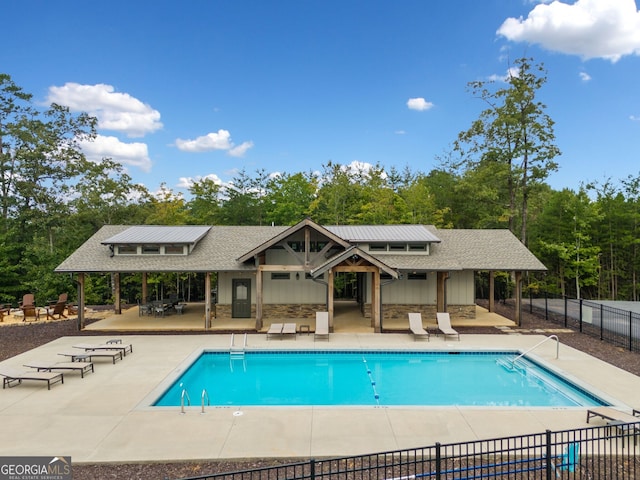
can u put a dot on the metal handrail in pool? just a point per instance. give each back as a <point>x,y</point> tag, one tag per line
<point>555,337</point>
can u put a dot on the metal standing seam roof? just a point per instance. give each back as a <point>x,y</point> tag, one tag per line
<point>384,233</point>
<point>154,234</point>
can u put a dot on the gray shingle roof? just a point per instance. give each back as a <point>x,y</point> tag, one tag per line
<point>222,245</point>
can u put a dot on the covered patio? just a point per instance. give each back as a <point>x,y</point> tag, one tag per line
<point>349,321</point>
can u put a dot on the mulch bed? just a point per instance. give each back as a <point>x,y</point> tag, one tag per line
<point>16,339</point>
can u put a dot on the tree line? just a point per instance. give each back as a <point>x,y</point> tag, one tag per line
<point>53,199</point>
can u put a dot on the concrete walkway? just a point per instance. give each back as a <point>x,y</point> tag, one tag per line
<point>106,417</point>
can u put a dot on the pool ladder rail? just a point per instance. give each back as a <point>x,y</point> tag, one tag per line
<point>184,396</point>
<point>237,351</point>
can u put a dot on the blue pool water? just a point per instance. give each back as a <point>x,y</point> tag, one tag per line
<point>373,378</point>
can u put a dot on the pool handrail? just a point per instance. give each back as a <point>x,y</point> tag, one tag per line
<point>554,337</point>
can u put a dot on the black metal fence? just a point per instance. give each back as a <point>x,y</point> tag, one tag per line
<point>616,326</point>
<point>604,452</point>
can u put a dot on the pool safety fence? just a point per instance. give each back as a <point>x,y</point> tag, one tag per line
<point>601,452</point>
<point>613,325</point>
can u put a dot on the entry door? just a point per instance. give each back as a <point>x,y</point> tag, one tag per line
<point>241,302</point>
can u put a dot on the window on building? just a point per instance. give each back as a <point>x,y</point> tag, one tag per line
<point>127,250</point>
<point>280,276</point>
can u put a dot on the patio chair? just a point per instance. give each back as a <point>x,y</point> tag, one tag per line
<point>275,329</point>
<point>5,309</point>
<point>57,309</point>
<point>444,325</point>
<point>30,312</point>
<point>289,329</point>
<point>613,414</point>
<point>415,324</point>
<point>82,367</point>
<point>569,459</point>
<point>13,377</point>
<point>121,347</point>
<point>322,326</point>
<point>28,300</point>
<point>89,355</point>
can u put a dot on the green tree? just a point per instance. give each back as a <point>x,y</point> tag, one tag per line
<point>289,197</point>
<point>513,138</point>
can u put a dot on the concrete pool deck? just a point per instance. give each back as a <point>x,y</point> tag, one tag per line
<point>105,417</point>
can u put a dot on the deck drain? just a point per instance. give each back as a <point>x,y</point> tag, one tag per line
<point>238,413</point>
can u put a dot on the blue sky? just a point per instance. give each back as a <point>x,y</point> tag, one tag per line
<point>189,89</point>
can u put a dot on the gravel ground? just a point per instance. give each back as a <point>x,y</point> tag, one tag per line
<point>18,338</point>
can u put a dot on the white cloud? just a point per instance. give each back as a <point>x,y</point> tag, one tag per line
<point>220,140</point>
<point>400,132</point>
<point>241,149</point>
<point>512,72</point>
<point>419,104</point>
<point>606,29</point>
<point>115,111</point>
<point>187,182</point>
<point>634,118</point>
<point>132,154</point>
<point>584,76</point>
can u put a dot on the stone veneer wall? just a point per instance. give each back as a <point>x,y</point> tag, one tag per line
<point>427,311</point>
<point>296,310</point>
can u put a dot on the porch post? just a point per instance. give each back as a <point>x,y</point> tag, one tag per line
<point>441,297</point>
<point>145,293</point>
<point>375,300</point>
<point>259,298</point>
<point>492,291</point>
<point>81,301</point>
<point>330,299</point>
<point>518,294</point>
<point>207,300</point>
<point>117,299</point>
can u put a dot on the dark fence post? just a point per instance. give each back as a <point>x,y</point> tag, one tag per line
<point>566,301</point>
<point>580,316</point>
<point>438,461</point>
<point>630,331</point>
<point>546,305</point>
<point>601,321</point>
<point>548,453</point>
<point>312,468</point>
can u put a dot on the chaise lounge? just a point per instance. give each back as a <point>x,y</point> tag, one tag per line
<point>89,355</point>
<point>444,325</point>
<point>322,326</point>
<point>415,324</point>
<point>111,345</point>
<point>275,329</point>
<point>13,377</point>
<point>613,414</point>
<point>82,367</point>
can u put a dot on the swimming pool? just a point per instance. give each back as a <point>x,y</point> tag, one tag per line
<point>385,378</point>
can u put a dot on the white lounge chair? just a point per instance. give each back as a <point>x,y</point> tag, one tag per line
<point>613,414</point>
<point>289,329</point>
<point>322,326</point>
<point>13,377</point>
<point>84,356</point>
<point>82,367</point>
<point>110,345</point>
<point>444,325</point>
<point>275,329</point>
<point>415,324</point>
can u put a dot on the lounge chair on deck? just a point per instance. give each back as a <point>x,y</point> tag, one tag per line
<point>5,309</point>
<point>275,329</point>
<point>85,356</point>
<point>289,329</point>
<point>28,300</point>
<point>613,414</point>
<point>322,326</point>
<point>13,377</point>
<point>415,324</point>
<point>82,367</point>
<point>124,348</point>
<point>444,325</point>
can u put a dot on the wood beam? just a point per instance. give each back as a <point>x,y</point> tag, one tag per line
<point>259,297</point>
<point>207,300</point>
<point>518,293</point>
<point>116,294</point>
<point>492,291</point>
<point>81,293</point>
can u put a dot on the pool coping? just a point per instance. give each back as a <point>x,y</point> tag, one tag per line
<point>97,418</point>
